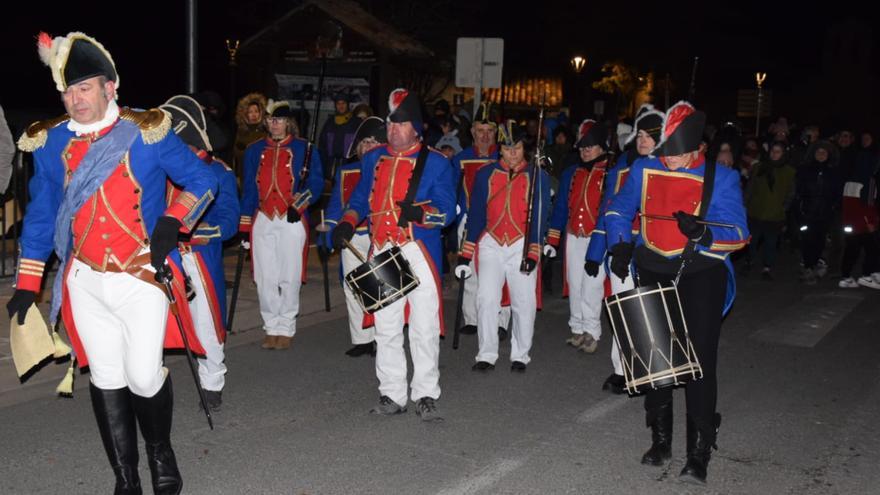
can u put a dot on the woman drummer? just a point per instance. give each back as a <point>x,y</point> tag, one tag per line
<point>670,184</point>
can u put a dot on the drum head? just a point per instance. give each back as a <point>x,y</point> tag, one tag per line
<point>381,280</point>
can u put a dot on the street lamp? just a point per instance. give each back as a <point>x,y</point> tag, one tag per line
<point>759,79</point>
<point>578,63</point>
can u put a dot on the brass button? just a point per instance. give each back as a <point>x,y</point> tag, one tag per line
<point>135,207</point>
<point>68,155</point>
<point>107,249</point>
<point>125,174</point>
<point>137,190</point>
<point>105,236</point>
<point>102,219</point>
<point>137,220</point>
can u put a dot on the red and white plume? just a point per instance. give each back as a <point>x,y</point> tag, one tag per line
<point>585,127</point>
<point>45,47</point>
<point>396,98</point>
<point>674,117</point>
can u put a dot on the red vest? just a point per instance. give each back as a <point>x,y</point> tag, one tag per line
<point>390,183</point>
<point>275,178</point>
<point>469,170</point>
<point>665,192</point>
<point>507,206</point>
<point>109,226</point>
<point>584,199</point>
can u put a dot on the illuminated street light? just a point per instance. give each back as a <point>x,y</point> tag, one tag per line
<point>578,63</point>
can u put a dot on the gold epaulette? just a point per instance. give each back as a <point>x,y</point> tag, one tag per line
<point>36,134</point>
<point>154,123</point>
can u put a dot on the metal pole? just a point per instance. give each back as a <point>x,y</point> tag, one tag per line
<point>478,91</point>
<point>191,47</point>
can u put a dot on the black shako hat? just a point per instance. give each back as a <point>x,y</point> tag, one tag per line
<point>371,127</point>
<point>405,106</point>
<point>189,122</point>
<point>510,133</point>
<point>648,119</point>
<point>75,58</point>
<point>682,130</point>
<point>279,109</point>
<point>592,133</point>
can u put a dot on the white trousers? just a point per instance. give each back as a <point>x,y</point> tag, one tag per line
<point>121,324</point>
<point>585,293</point>
<point>497,265</point>
<point>359,335</point>
<point>469,298</point>
<point>278,250</point>
<point>424,335</point>
<point>212,369</point>
<point>617,286</point>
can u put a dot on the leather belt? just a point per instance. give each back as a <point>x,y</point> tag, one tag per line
<point>137,269</point>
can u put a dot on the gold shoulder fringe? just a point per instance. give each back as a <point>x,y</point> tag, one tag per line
<point>154,123</point>
<point>36,134</point>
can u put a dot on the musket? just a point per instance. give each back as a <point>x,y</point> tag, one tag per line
<point>536,167</point>
<point>236,283</point>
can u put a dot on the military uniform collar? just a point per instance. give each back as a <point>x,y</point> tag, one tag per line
<point>100,127</point>
<point>283,142</point>
<point>412,149</point>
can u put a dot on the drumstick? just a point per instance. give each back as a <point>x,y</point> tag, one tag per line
<point>701,222</point>
<point>383,212</point>
<point>355,251</point>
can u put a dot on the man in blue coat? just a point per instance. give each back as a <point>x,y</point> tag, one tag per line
<point>413,223</point>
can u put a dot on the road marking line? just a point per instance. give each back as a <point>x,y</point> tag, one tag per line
<point>808,321</point>
<point>489,476</point>
<point>600,409</point>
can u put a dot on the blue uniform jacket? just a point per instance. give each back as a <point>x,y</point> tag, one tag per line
<point>598,241</point>
<point>726,206</point>
<point>469,153</point>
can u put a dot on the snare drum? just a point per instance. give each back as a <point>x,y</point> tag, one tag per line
<point>651,334</point>
<point>381,280</point>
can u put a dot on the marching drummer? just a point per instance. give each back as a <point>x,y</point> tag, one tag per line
<point>370,134</point>
<point>500,220</point>
<point>277,189</point>
<point>407,195</point>
<point>640,144</point>
<point>575,211</point>
<point>680,183</point>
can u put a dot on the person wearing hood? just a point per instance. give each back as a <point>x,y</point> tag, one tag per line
<point>337,135</point>
<point>816,203</point>
<point>860,218</point>
<point>693,256</point>
<point>575,212</point>
<point>639,144</point>
<point>767,198</point>
<point>249,127</point>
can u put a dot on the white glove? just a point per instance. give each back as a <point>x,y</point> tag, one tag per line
<point>549,251</point>
<point>462,271</point>
<point>246,245</point>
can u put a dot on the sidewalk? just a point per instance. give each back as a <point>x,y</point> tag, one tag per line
<point>247,324</point>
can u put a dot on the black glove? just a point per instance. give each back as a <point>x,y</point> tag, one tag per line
<point>592,268</point>
<point>20,303</point>
<point>163,240</point>
<point>530,265</point>
<point>621,255</point>
<point>293,215</point>
<point>343,232</point>
<point>411,212</point>
<point>688,225</point>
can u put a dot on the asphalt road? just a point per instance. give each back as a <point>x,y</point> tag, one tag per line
<point>798,390</point>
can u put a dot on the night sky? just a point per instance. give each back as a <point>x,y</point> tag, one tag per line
<point>732,40</point>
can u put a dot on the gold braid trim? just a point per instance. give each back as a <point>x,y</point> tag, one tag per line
<point>36,134</point>
<point>154,123</point>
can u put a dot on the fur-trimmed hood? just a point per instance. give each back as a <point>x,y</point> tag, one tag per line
<point>244,103</point>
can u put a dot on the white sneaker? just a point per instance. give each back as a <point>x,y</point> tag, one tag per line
<point>848,283</point>
<point>868,281</point>
<point>876,277</point>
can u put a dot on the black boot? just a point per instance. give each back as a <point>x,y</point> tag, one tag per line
<point>154,416</point>
<point>700,442</point>
<point>116,423</point>
<point>660,421</point>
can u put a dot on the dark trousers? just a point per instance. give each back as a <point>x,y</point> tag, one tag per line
<point>813,242</point>
<point>768,233</point>
<point>702,300</point>
<point>854,245</point>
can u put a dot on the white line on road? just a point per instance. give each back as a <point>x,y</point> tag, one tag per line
<point>488,477</point>
<point>601,408</point>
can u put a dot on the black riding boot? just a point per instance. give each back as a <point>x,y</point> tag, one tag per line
<point>154,416</point>
<point>116,423</point>
<point>700,442</point>
<point>660,421</point>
